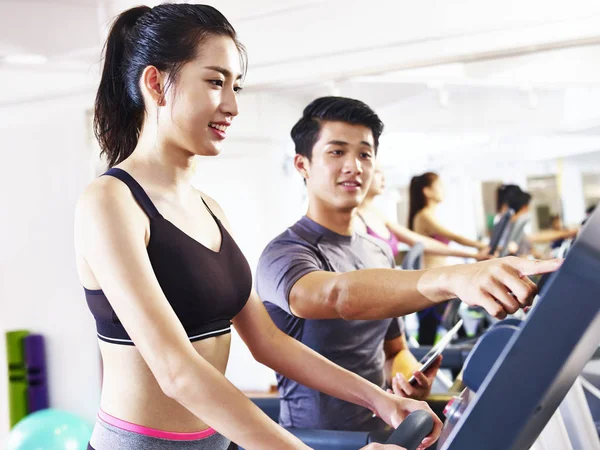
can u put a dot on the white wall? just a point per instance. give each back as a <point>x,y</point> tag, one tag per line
<point>45,167</point>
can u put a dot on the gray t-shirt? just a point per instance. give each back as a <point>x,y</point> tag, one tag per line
<point>356,345</point>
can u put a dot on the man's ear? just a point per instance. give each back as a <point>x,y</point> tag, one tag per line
<point>302,165</point>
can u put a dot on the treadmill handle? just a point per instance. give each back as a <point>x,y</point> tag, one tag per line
<point>411,432</point>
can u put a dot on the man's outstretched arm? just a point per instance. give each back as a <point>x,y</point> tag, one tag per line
<point>500,286</point>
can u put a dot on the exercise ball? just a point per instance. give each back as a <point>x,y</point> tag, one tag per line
<point>50,429</point>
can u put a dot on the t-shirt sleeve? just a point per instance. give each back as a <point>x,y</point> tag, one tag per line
<point>280,266</point>
<point>395,330</point>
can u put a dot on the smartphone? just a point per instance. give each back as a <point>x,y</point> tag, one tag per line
<point>436,350</point>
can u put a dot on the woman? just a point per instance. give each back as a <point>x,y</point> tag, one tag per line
<point>163,277</point>
<point>426,193</point>
<point>371,221</point>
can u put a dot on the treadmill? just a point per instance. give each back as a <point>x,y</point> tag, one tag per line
<point>521,371</point>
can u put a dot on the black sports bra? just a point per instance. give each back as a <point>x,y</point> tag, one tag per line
<point>205,288</point>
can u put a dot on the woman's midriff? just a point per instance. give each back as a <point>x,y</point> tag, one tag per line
<point>131,393</point>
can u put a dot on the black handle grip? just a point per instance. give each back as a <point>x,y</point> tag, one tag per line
<point>411,432</point>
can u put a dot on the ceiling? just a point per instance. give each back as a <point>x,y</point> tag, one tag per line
<point>513,77</point>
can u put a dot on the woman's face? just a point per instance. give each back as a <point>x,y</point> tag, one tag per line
<point>378,184</point>
<point>203,99</point>
<point>435,192</point>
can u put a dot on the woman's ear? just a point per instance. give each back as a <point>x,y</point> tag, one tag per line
<point>427,192</point>
<point>153,84</point>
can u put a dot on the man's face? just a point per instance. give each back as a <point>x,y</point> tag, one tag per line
<point>342,165</point>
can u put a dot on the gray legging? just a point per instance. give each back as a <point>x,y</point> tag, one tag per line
<point>108,437</point>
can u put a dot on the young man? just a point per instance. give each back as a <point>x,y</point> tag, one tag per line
<point>337,292</point>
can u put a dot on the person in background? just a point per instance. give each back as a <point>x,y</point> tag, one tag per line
<point>371,221</point>
<point>503,194</point>
<point>588,212</point>
<point>425,194</point>
<point>523,243</point>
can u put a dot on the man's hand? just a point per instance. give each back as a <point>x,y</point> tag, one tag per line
<point>422,388</point>
<point>500,286</point>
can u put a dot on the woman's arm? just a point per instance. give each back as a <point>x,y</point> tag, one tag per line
<point>294,360</point>
<point>410,237</point>
<point>431,246</point>
<point>268,346</point>
<point>544,236</point>
<point>434,227</point>
<point>111,235</point>
<point>289,357</point>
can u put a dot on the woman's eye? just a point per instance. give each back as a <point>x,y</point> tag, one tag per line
<point>217,82</point>
<point>238,89</point>
<point>336,152</point>
<point>366,155</point>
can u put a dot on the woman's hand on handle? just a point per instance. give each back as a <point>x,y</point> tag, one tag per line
<point>393,409</point>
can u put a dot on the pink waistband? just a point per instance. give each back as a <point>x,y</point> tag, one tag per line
<point>152,432</point>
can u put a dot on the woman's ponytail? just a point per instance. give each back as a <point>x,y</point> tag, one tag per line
<point>118,115</point>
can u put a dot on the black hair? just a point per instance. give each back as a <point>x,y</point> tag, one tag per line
<point>504,193</point>
<point>588,213</point>
<point>416,197</point>
<point>166,37</point>
<point>518,200</point>
<point>332,109</point>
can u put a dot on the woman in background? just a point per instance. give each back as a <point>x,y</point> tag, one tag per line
<point>426,193</point>
<point>373,222</point>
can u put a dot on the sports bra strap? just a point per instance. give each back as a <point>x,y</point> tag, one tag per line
<point>209,210</point>
<point>362,219</point>
<point>138,191</point>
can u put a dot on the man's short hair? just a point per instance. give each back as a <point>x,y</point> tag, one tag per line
<point>332,109</point>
